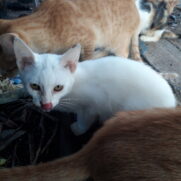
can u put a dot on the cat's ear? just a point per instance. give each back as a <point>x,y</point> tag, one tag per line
<point>6,43</point>
<point>24,55</point>
<point>71,58</point>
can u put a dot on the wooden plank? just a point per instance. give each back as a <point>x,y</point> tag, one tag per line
<point>165,56</point>
<point>176,43</point>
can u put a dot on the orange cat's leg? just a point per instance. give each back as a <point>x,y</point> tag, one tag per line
<point>120,47</point>
<point>123,51</point>
<point>134,48</point>
<point>127,45</point>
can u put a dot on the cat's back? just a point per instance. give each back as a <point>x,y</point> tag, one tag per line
<point>124,71</point>
<point>140,145</point>
<point>94,14</point>
<point>128,84</point>
<point>118,66</point>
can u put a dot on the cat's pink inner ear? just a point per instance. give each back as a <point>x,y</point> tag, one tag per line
<point>25,62</point>
<point>71,65</point>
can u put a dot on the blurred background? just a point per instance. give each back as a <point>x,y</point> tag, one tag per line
<point>15,8</point>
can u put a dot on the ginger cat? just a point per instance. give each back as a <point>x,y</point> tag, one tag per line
<point>132,146</point>
<point>101,27</point>
<point>110,27</point>
<point>91,89</point>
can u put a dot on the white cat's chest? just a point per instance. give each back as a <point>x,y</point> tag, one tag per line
<point>94,99</point>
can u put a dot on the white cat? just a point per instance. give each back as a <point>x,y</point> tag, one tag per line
<point>92,88</point>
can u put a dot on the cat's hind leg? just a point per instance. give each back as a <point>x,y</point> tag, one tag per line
<point>134,47</point>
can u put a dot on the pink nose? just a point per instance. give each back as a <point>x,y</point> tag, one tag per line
<point>47,106</point>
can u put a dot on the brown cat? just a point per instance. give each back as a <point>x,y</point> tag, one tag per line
<point>132,146</point>
<point>101,27</point>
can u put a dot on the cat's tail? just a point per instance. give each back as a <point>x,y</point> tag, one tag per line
<point>71,168</point>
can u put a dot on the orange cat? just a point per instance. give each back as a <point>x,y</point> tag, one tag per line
<point>101,27</point>
<point>133,146</point>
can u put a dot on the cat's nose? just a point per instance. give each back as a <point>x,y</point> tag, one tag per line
<point>47,106</point>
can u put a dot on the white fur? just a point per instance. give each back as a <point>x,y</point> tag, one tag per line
<point>146,18</point>
<point>157,34</point>
<point>99,87</point>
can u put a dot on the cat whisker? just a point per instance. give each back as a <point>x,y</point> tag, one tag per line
<point>69,99</point>
<point>64,108</point>
<point>70,102</point>
<point>67,105</point>
<point>67,102</point>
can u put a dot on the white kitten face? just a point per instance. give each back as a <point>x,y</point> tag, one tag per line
<point>47,77</point>
<point>47,82</point>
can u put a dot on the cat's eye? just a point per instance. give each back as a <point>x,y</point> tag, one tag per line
<point>35,87</point>
<point>58,88</point>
